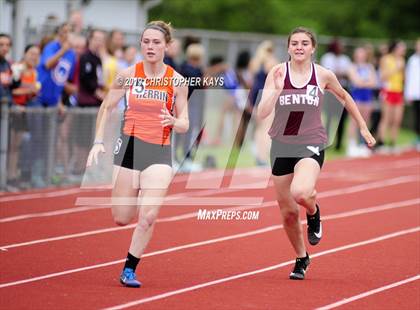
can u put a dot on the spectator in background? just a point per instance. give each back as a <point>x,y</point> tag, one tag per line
<point>49,25</point>
<point>114,54</point>
<point>370,54</point>
<point>219,68</point>
<point>90,94</point>
<point>24,75</point>
<point>5,68</point>
<point>90,75</point>
<point>48,30</point>
<point>412,88</point>
<point>5,72</point>
<point>62,154</point>
<point>172,53</point>
<point>362,77</point>
<point>193,68</point>
<point>338,63</point>
<point>392,76</point>
<point>190,40</point>
<point>375,117</point>
<point>76,22</point>
<point>245,80</point>
<point>78,42</point>
<point>56,66</point>
<point>117,43</point>
<point>45,40</point>
<point>260,65</point>
<point>130,57</point>
<point>65,152</point>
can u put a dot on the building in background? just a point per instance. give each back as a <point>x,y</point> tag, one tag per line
<point>23,19</point>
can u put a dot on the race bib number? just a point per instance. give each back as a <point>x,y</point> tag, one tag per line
<point>139,87</point>
<point>311,92</point>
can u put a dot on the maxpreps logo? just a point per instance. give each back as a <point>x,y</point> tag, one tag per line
<point>222,214</point>
<point>311,97</point>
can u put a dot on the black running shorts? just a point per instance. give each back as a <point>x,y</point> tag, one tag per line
<point>133,153</point>
<point>284,157</point>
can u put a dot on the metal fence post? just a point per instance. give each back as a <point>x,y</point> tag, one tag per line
<point>4,135</point>
<point>51,136</point>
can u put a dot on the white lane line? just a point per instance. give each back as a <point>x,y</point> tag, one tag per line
<point>168,250</point>
<point>53,194</point>
<point>92,203</point>
<point>194,215</point>
<point>64,192</point>
<point>50,213</point>
<point>205,242</point>
<point>368,293</point>
<point>260,172</point>
<point>340,191</point>
<point>181,198</point>
<point>185,199</point>
<point>372,168</point>
<point>371,185</point>
<point>262,270</point>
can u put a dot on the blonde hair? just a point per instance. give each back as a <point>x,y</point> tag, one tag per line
<point>161,26</point>
<point>195,51</point>
<point>264,49</point>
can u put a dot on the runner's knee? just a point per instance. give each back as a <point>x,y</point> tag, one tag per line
<point>302,195</point>
<point>122,218</point>
<point>290,217</point>
<point>147,220</point>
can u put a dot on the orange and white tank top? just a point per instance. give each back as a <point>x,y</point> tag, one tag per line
<point>144,102</point>
<point>28,78</point>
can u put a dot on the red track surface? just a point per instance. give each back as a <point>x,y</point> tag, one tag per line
<point>360,252</point>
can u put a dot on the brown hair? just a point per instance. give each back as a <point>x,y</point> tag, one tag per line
<point>161,26</point>
<point>304,30</point>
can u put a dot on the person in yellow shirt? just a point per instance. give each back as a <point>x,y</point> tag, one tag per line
<point>392,76</point>
<point>114,47</point>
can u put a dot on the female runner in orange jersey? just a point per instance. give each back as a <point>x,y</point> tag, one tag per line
<point>143,152</point>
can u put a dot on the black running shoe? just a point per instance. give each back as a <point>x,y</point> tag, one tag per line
<point>301,266</point>
<point>314,227</point>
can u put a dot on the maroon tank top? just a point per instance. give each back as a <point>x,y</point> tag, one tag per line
<point>297,117</point>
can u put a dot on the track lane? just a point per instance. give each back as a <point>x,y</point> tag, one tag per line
<point>212,261</point>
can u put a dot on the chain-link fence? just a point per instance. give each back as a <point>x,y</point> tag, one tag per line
<point>43,146</point>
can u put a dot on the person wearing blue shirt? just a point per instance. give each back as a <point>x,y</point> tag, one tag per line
<point>56,67</point>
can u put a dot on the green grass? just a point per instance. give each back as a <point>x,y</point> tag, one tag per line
<point>222,154</point>
<point>405,137</point>
<point>225,157</point>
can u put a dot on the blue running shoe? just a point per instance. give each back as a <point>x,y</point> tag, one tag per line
<point>128,278</point>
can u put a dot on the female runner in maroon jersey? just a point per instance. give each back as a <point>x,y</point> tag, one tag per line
<point>295,91</point>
